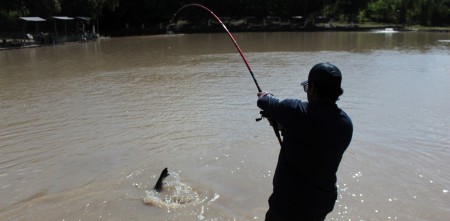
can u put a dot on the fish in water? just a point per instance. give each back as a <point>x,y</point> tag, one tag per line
<point>159,184</point>
<point>171,194</point>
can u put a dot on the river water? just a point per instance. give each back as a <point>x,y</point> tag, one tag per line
<point>85,129</point>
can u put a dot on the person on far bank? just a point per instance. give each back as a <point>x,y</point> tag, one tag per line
<point>315,136</point>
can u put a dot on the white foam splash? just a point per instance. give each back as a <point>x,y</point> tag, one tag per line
<point>216,196</point>
<point>386,31</point>
<point>201,216</point>
<point>174,194</point>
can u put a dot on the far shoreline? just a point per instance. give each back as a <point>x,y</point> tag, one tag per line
<point>11,44</point>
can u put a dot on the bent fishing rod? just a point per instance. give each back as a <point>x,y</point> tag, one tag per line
<point>274,124</point>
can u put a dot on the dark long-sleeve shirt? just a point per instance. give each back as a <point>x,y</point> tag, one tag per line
<point>315,136</point>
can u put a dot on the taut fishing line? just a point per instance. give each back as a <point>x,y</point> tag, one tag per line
<point>274,125</point>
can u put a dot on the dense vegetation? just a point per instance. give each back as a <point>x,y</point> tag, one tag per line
<point>114,13</point>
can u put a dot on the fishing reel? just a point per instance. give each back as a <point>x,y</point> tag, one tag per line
<point>274,124</point>
<point>262,116</point>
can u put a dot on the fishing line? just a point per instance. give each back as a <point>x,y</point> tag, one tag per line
<point>274,125</point>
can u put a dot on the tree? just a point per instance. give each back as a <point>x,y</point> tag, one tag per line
<point>382,10</point>
<point>43,8</point>
<point>91,8</point>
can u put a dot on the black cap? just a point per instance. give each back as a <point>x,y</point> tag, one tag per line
<point>325,73</point>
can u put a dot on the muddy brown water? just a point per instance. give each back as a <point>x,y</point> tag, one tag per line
<point>85,129</point>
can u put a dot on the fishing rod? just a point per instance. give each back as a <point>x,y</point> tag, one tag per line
<point>274,125</point>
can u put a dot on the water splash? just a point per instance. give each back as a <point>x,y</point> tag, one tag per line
<point>174,194</point>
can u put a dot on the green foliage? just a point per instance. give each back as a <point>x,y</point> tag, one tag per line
<point>382,10</point>
<point>425,12</point>
<point>91,8</point>
<point>349,10</point>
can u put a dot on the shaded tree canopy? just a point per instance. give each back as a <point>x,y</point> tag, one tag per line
<point>424,12</point>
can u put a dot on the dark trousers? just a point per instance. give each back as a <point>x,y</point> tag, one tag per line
<point>274,216</point>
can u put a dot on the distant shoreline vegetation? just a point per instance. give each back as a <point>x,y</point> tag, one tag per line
<point>141,17</point>
<point>210,26</point>
<point>265,25</point>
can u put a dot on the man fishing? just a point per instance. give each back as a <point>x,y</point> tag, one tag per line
<point>315,135</point>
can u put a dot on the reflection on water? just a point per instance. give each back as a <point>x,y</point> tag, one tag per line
<point>85,128</point>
